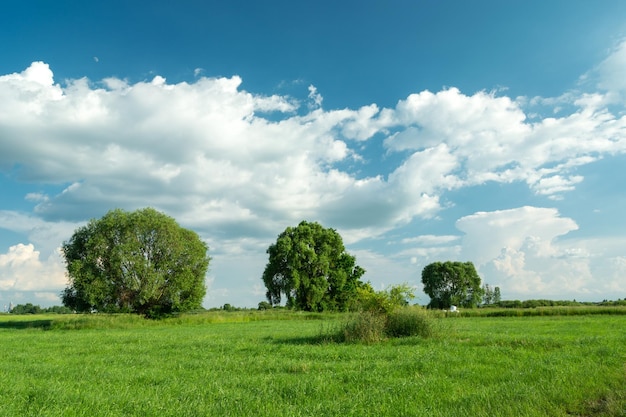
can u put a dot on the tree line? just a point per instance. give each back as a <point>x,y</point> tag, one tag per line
<point>30,308</point>
<point>144,262</point>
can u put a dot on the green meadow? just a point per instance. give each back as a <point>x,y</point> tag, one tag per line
<point>280,363</point>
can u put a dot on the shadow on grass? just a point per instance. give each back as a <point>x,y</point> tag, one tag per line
<point>26,324</point>
<point>306,340</point>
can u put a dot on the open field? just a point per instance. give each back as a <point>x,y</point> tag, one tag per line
<point>275,364</point>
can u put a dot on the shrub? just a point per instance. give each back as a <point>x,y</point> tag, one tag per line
<point>375,326</point>
<point>408,321</point>
<point>366,326</point>
<point>384,314</point>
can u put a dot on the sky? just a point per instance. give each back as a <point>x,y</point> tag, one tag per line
<point>486,131</point>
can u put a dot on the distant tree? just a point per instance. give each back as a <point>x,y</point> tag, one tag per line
<point>58,310</point>
<point>27,308</point>
<point>496,295</point>
<point>487,294</point>
<point>510,304</point>
<point>452,283</point>
<point>141,262</point>
<point>264,305</point>
<point>309,265</point>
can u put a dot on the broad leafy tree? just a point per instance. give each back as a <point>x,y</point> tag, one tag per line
<point>141,262</point>
<point>310,267</point>
<point>452,283</point>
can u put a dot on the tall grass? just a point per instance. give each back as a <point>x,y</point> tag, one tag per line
<point>366,327</point>
<point>410,321</point>
<point>375,326</point>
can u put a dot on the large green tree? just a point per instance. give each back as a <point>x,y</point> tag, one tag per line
<point>141,262</point>
<point>452,283</point>
<point>309,265</point>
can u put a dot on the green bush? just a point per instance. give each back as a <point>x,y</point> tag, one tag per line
<point>375,326</point>
<point>408,321</point>
<point>366,327</point>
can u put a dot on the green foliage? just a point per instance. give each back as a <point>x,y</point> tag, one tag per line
<point>409,321</point>
<point>365,327</point>
<point>385,301</point>
<point>309,265</point>
<point>452,283</point>
<point>384,314</point>
<point>549,303</point>
<point>557,310</point>
<point>264,305</point>
<point>491,295</point>
<point>231,308</point>
<point>496,295</point>
<point>140,262</point>
<point>487,294</point>
<point>615,303</point>
<point>29,308</point>
<point>371,326</point>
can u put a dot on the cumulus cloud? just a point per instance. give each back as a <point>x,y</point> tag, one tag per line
<point>235,165</point>
<point>488,138</point>
<point>523,251</point>
<point>529,253</point>
<point>22,269</point>
<point>208,150</point>
<point>487,233</point>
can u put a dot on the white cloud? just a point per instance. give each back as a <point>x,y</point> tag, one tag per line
<point>315,98</point>
<point>431,240</point>
<point>520,250</point>
<point>556,184</point>
<point>235,165</point>
<point>487,233</point>
<point>609,74</point>
<point>46,236</point>
<point>528,252</point>
<point>22,269</point>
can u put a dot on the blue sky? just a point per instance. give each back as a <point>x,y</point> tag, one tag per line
<point>487,131</point>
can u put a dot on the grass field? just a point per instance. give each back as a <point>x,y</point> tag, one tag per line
<point>258,364</point>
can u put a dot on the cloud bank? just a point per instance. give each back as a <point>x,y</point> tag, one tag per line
<point>239,167</point>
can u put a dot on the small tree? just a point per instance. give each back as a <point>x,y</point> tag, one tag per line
<point>264,305</point>
<point>496,295</point>
<point>487,294</point>
<point>309,265</point>
<point>140,262</point>
<point>452,283</point>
